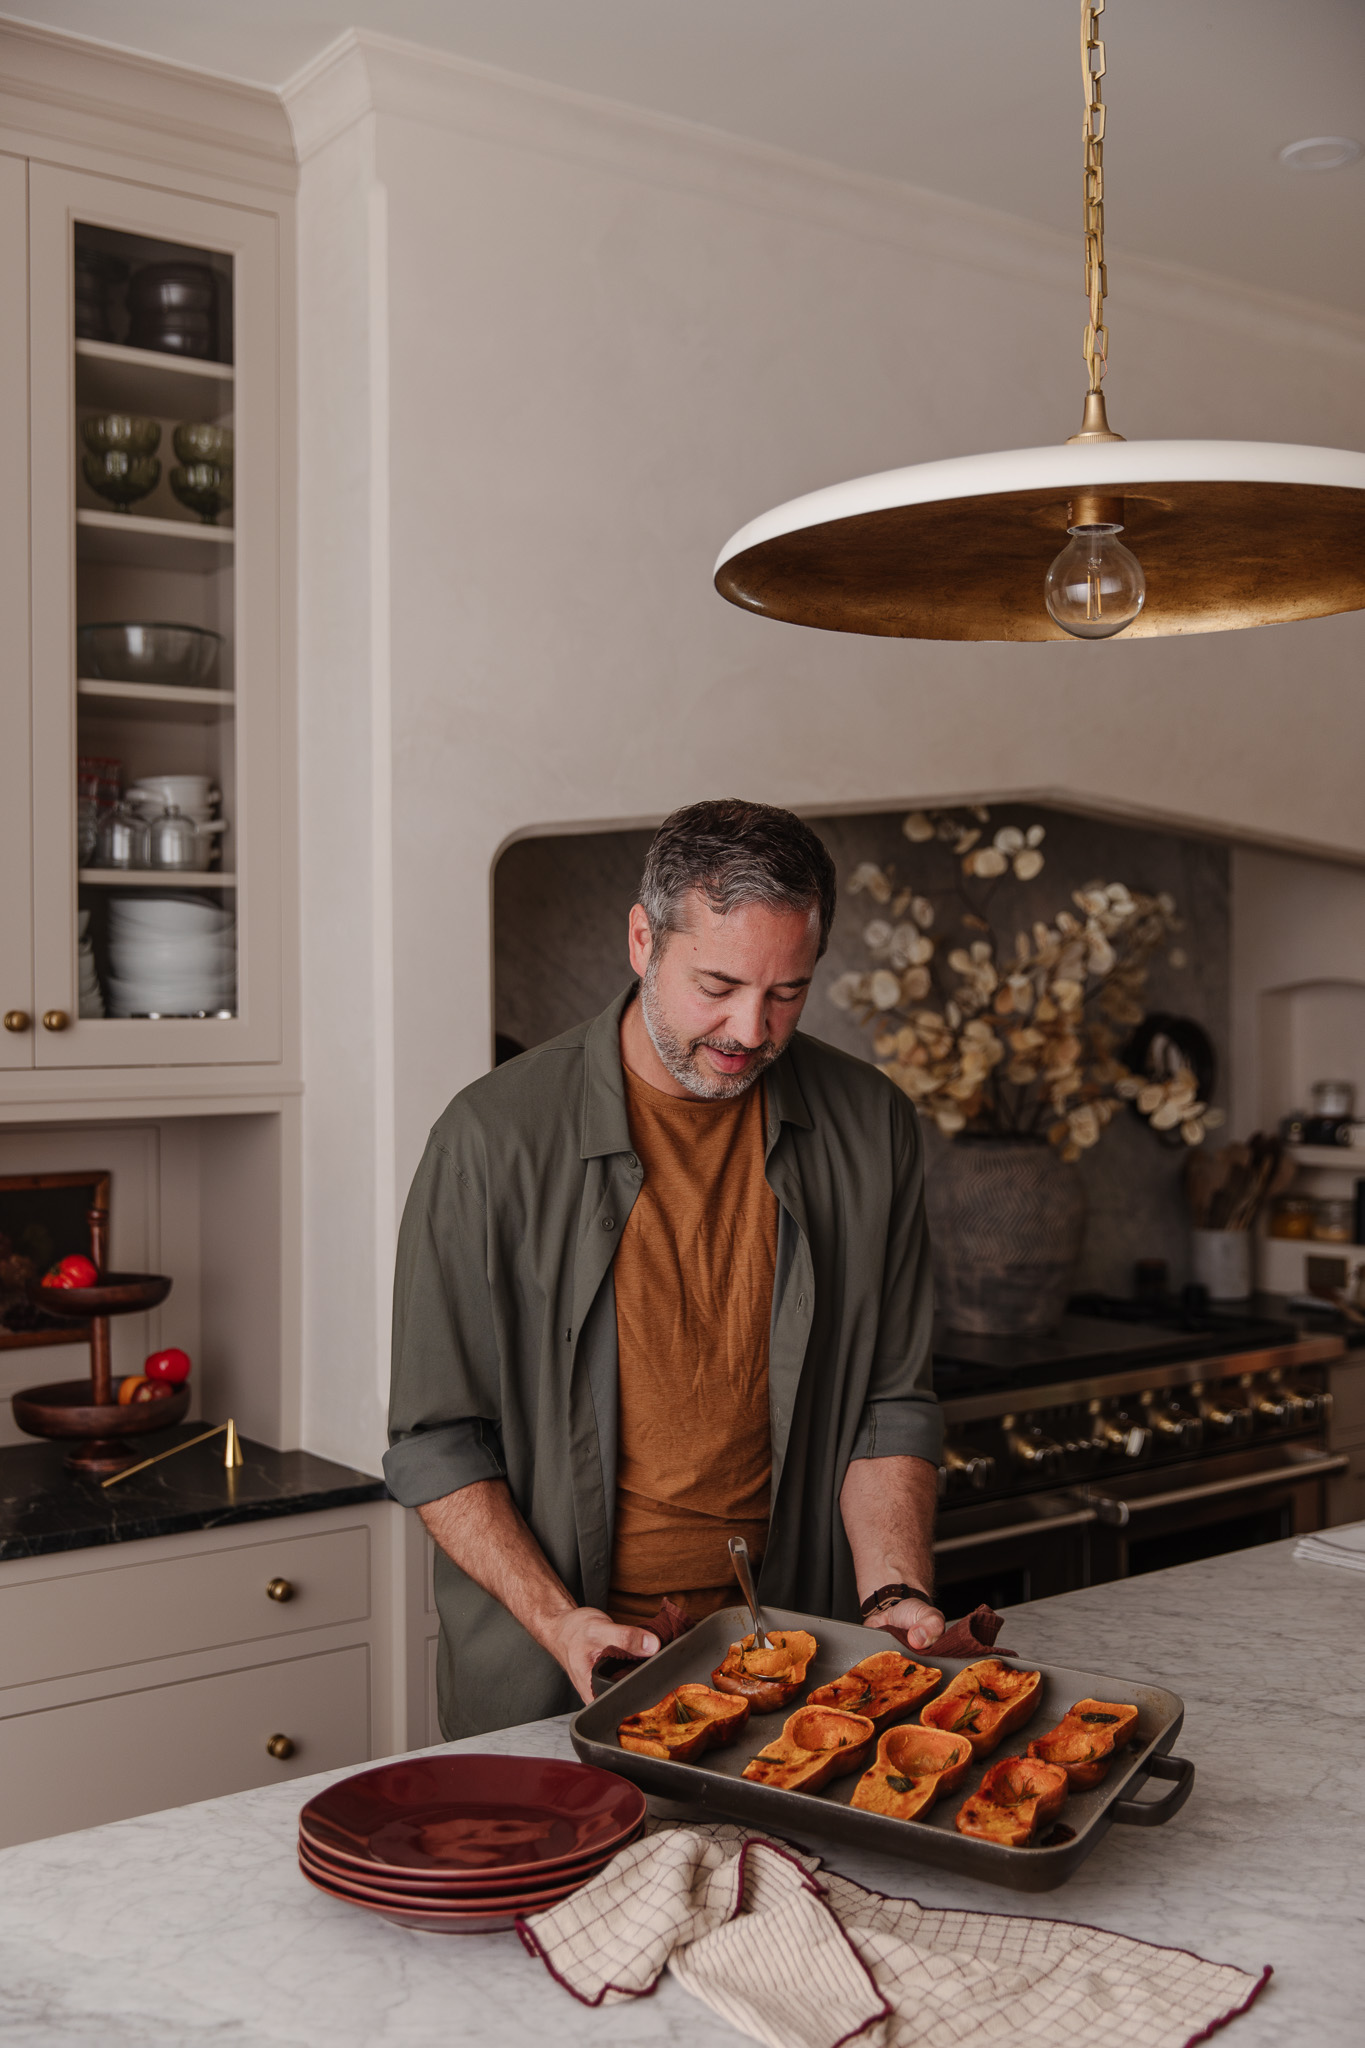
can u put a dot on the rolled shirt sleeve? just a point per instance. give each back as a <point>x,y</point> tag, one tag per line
<point>901,1416</point>
<point>444,1394</point>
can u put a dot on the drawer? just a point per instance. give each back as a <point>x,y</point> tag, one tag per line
<point>95,1620</point>
<point>166,1745</point>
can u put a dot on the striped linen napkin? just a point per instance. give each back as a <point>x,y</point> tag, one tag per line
<point>797,1962</point>
<point>1343,1546</point>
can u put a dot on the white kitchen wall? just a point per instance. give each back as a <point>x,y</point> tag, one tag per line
<point>554,353</point>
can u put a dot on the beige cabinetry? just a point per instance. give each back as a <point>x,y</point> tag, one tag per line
<point>155,1673</point>
<point>165,973</point>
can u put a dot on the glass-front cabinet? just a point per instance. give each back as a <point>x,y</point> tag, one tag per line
<point>155,797</point>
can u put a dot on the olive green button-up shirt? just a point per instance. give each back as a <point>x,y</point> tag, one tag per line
<point>504,1337</point>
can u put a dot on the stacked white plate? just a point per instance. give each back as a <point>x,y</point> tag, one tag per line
<point>171,956</point>
<point>91,996</point>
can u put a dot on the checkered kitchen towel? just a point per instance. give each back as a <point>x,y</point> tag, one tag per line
<point>795,1963</point>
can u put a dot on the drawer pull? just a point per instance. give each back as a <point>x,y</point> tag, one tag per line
<point>281,1748</point>
<point>279,1589</point>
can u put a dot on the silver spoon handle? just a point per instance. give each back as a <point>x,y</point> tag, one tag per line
<point>739,1553</point>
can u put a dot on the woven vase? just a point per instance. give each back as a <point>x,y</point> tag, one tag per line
<point>1006,1216</point>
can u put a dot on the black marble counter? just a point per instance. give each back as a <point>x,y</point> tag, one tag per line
<point>44,1508</point>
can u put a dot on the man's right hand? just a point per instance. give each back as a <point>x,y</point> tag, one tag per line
<point>577,1637</point>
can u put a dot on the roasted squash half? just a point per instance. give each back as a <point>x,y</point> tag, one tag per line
<point>767,1679</point>
<point>686,1722</point>
<point>1086,1740</point>
<point>817,1744</point>
<point>1013,1800</point>
<point>984,1703</point>
<point>913,1768</point>
<point>880,1688</point>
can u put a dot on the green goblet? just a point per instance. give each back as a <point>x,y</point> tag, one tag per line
<point>131,432</point>
<point>206,487</point>
<point>120,477</point>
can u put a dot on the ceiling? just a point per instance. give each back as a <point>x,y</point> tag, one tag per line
<point>977,98</point>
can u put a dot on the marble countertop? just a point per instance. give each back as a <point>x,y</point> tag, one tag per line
<point>194,1929</point>
<point>44,1508</point>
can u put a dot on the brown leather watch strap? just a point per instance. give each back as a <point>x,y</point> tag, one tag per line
<point>887,1596</point>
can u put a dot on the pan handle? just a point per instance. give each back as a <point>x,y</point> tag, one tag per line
<point>1154,1813</point>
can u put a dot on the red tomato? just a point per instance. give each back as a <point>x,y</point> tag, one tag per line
<point>171,1367</point>
<point>79,1270</point>
<point>150,1390</point>
<point>56,1278</point>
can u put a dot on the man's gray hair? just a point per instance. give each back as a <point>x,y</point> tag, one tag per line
<point>734,852</point>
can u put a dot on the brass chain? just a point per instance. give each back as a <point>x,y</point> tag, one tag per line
<point>1096,278</point>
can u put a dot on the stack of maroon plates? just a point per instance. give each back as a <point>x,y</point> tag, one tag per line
<point>462,1844</point>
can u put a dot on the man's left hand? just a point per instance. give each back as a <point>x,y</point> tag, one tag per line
<point>918,1624</point>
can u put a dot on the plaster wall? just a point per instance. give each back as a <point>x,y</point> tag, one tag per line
<point>555,352</point>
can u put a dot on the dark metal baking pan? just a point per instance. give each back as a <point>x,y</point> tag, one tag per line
<point>715,1783</point>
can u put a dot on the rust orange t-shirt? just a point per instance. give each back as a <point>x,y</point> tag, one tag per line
<point>694,1290</point>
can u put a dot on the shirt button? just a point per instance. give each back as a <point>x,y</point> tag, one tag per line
<point>631,1160</point>
<point>608,1223</point>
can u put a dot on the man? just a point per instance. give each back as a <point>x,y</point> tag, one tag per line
<point>663,1280</point>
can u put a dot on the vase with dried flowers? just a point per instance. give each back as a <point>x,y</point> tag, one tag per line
<point>1013,1047</point>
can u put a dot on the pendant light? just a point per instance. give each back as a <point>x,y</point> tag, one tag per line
<point>1154,536</point>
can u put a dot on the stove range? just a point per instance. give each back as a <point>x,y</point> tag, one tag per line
<point>1101,1333</point>
<point>1139,1433</point>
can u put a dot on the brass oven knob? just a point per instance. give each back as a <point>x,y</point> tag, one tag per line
<point>1034,1451</point>
<point>280,1747</point>
<point>55,1020</point>
<point>1183,1432</point>
<point>279,1589</point>
<point>1116,1434</point>
<point>963,1469</point>
<point>17,1020</point>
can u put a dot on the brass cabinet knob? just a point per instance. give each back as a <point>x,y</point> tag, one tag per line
<point>55,1020</point>
<point>281,1748</point>
<point>279,1589</point>
<point>17,1020</point>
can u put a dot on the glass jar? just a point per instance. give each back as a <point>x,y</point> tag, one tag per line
<point>1334,1220</point>
<point>1334,1098</point>
<point>122,841</point>
<point>173,840</point>
<point>1293,1216</point>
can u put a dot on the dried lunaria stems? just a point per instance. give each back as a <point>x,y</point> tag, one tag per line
<point>1227,1189</point>
<point>1013,1039</point>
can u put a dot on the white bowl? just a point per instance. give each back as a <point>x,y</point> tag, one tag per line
<point>166,914</point>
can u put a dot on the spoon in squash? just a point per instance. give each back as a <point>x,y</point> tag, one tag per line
<point>739,1557</point>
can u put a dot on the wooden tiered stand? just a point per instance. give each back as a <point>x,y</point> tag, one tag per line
<point>87,1412</point>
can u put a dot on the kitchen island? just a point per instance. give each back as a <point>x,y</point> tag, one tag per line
<point>194,1926</point>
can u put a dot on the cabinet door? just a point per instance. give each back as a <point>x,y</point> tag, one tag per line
<point>203,987</point>
<point>16,930</point>
<point>167,1745</point>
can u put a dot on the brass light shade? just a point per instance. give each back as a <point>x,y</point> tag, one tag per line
<point>1229,533</point>
<point>1216,534</point>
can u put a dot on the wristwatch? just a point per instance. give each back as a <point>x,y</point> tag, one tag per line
<point>888,1596</point>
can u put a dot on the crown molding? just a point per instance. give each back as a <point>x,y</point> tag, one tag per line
<point>364,73</point>
<point>88,95</point>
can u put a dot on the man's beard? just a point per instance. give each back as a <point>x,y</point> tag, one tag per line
<point>680,1056</point>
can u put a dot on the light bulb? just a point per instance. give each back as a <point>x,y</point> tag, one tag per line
<point>1096,586</point>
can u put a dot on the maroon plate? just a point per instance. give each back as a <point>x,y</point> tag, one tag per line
<point>430,1923</point>
<point>457,1890</point>
<point>508,1816</point>
<point>522,1898</point>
